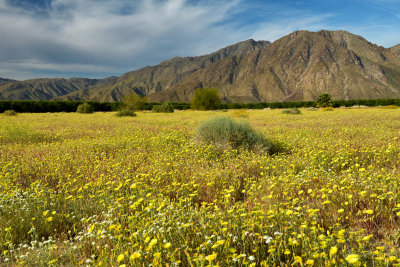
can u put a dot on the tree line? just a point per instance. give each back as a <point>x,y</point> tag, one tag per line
<point>204,99</point>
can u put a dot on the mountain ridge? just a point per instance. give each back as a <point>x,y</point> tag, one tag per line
<point>296,67</point>
<point>300,66</point>
<point>152,79</point>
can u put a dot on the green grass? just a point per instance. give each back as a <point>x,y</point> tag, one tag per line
<point>89,190</point>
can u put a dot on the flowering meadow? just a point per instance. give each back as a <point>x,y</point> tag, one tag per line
<point>100,190</point>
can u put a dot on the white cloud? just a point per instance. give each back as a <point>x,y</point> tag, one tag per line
<point>94,33</point>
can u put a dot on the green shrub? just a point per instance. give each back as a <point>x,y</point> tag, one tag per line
<point>85,108</point>
<point>10,112</point>
<point>324,100</point>
<point>292,111</point>
<point>224,132</point>
<point>125,113</point>
<point>206,99</point>
<point>163,108</point>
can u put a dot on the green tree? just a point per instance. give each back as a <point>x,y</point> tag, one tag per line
<point>324,100</point>
<point>206,99</point>
<point>85,108</point>
<point>134,102</point>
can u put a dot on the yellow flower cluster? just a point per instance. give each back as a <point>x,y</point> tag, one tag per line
<point>96,190</point>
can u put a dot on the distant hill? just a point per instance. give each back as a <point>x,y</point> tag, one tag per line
<point>2,80</point>
<point>297,67</point>
<point>47,89</point>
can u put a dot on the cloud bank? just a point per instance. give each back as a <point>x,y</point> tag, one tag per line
<point>99,38</point>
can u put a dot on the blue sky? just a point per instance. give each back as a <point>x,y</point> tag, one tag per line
<point>100,38</point>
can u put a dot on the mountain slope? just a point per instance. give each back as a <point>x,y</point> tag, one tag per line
<point>150,80</point>
<point>299,67</point>
<point>396,50</point>
<point>46,89</point>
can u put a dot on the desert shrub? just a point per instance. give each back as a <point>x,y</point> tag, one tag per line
<point>206,99</point>
<point>292,111</point>
<point>324,100</point>
<point>391,107</point>
<point>85,108</point>
<point>125,113</point>
<point>163,108</point>
<point>224,132</point>
<point>328,109</point>
<point>10,112</point>
<point>240,113</point>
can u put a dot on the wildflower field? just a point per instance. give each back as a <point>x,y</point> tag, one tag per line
<point>96,189</point>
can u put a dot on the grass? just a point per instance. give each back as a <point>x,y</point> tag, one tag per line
<point>138,191</point>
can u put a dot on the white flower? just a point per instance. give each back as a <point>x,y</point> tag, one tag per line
<point>251,258</point>
<point>267,239</point>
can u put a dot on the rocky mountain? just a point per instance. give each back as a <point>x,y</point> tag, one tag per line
<point>150,80</point>
<point>396,50</point>
<point>296,67</point>
<point>300,66</point>
<point>47,89</point>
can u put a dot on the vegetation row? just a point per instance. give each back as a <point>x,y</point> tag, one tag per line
<point>42,106</point>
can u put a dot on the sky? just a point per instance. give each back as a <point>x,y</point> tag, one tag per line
<point>101,38</point>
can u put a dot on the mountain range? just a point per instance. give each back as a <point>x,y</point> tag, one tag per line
<point>297,67</point>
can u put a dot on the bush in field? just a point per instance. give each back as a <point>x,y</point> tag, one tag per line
<point>206,99</point>
<point>85,108</point>
<point>163,108</point>
<point>328,109</point>
<point>324,100</point>
<point>134,102</point>
<point>126,113</point>
<point>10,113</point>
<point>391,107</point>
<point>292,111</point>
<point>224,132</point>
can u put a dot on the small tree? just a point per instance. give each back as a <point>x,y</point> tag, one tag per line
<point>134,101</point>
<point>206,99</point>
<point>85,108</point>
<point>324,100</point>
